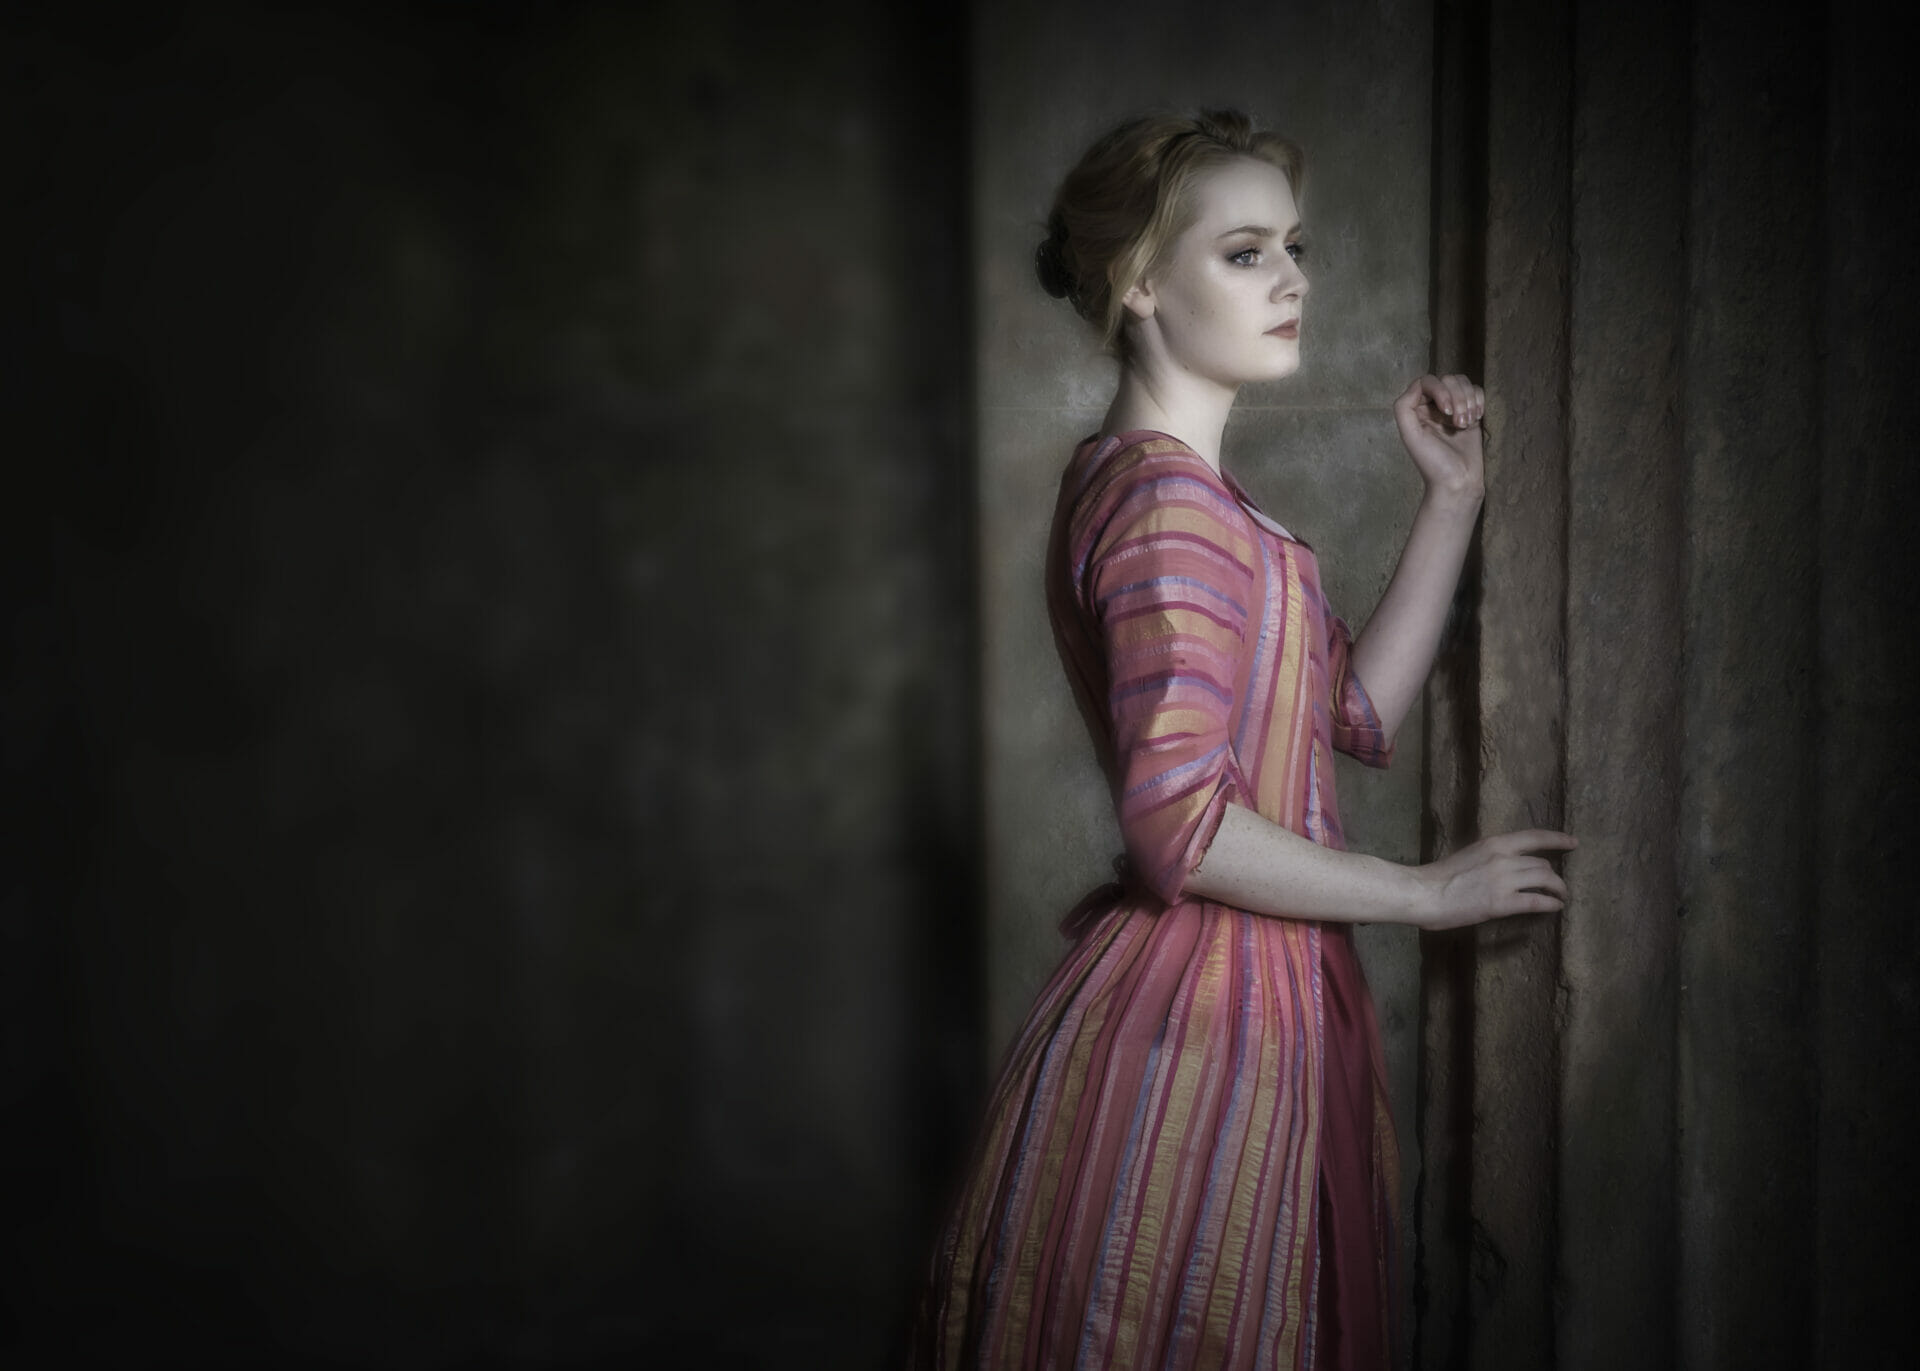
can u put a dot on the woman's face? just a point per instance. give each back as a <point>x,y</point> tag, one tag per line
<point>1226,305</point>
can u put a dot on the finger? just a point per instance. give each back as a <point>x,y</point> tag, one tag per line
<point>1532,875</point>
<point>1529,902</point>
<point>1549,884</point>
<point>1460,400</point>
<point>1471,405</point>
<point>1527,870</point>
<point>1437,392</point>
<point>1409,398</point>
<point>1522,904</point>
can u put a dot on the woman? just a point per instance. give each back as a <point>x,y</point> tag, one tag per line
<point>1188,1159</point>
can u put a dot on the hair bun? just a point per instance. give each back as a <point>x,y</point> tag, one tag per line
<point>1051,267</point>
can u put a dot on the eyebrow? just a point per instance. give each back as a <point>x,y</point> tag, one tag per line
<point>1259,230</point>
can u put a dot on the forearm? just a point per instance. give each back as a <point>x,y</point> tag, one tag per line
<point>1394,652</point>
<point>1258,866</point>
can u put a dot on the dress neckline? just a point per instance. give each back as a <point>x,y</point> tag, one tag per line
<point>1227,478</point>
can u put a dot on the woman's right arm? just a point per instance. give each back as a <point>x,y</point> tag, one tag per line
<point>1259,866</point>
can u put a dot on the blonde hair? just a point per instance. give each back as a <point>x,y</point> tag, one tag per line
<point>1119,211</point>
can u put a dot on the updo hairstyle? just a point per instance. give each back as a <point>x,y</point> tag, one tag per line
<point>1116,216</point>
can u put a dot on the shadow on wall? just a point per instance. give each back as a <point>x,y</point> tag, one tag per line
<point>490,713</point>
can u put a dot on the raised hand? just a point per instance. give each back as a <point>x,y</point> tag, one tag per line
<point>1439,422</point>
<point>1494,878</point>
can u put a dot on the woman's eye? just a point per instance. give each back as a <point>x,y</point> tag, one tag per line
<point>1246,257</point>
<point>1297,251</point>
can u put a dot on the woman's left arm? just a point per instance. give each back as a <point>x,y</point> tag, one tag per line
<point>1439,422</point>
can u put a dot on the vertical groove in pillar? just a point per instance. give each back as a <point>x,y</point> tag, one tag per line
<point>1522,622</point>
<point>1748,876</point>
<point>1625,606</point>
<point>1450,773</point>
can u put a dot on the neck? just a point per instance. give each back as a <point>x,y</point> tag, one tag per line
<point>1153,395</point>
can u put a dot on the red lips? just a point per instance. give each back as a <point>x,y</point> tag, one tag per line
<point>1290,329</point>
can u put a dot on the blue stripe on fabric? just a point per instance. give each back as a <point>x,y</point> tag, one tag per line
<point>1058,1049</point>
<point>1120,1190</point>
<point>1183,769</point>
<point>1262,641</point>
<point>1190,1313</point>
<point>1193,582</point>
<point>1152,484</point>
<point>1101,452</point>
<point>1161,682</point>
<point>1284,1226</point>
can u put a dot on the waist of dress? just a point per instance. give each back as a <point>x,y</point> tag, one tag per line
<point>1129,891</point>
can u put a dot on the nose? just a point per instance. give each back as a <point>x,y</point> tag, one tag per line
<point>1292,282</point>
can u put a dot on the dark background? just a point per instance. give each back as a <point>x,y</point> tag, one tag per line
<point>488,707</point>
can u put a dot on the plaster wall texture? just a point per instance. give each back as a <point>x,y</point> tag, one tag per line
<point>1350,84</point>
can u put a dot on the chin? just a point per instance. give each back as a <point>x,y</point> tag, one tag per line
<point>1283,363</point>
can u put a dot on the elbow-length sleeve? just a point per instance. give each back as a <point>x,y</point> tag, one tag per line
<point>1356,727</point>
<point>1169,581</point>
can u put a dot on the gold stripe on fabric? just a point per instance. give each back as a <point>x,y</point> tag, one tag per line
<point>1220,974</point>
<point>1282,764</point>
<point>1173,722</point>
<point>1181,1077</point>
<point>1197,520</point>
<point>1255,1139</point>
<point>1304,1174</point>
<point>973,1227</point>
<point>1136,635</point>
<point>1044,1192</point>
<point>1000,1140</point>
<point>1388,1144</point>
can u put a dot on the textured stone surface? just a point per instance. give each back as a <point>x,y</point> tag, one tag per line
<point>1748,878</point>
<point>1521,682</point>
<point>1625,645</point>
<point>1738,750</point>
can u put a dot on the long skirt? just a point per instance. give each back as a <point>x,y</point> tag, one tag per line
<point>1187,1161</point>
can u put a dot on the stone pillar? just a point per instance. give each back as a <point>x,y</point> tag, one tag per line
<point>1626,618</point>
<point>1521,677</point>
<point>1689,1103</point>
<point>1747,873</point>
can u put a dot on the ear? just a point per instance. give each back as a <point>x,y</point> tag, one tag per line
<point>1139,301</point>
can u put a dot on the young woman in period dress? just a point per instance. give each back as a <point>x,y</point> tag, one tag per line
<point>1187,1160</point>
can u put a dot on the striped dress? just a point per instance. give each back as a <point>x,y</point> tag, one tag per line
<point>1187,1160</point>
